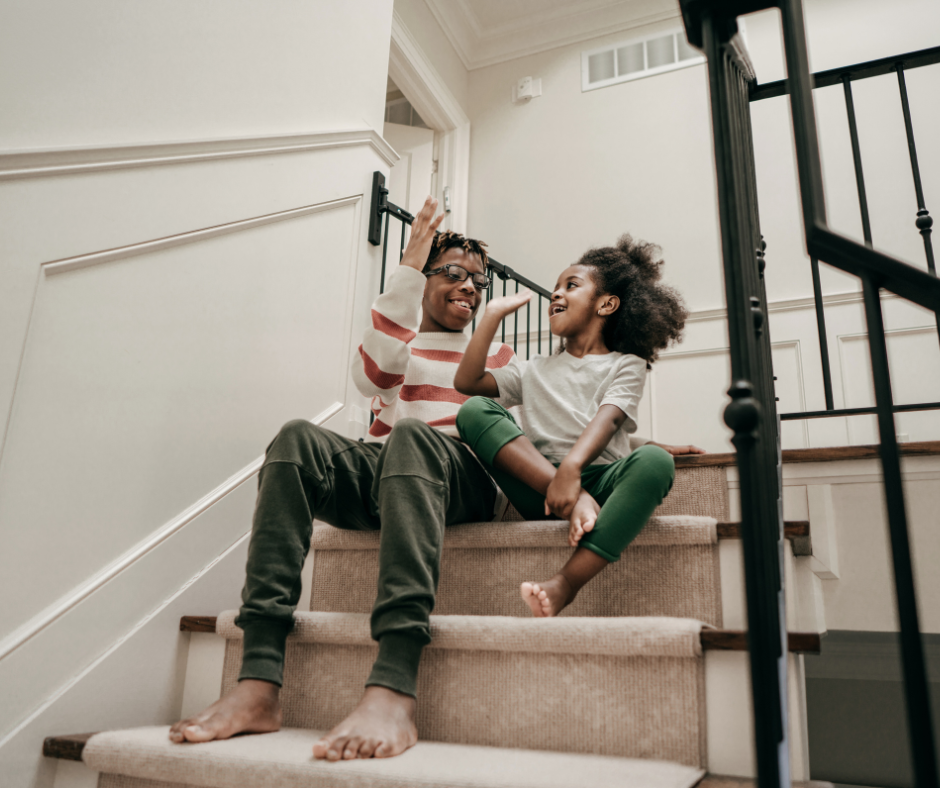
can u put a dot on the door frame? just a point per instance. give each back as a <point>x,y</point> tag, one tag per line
<point>414,74</point>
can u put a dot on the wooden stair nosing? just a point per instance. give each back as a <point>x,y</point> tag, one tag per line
<point>823,454</point>
<point>711,639</point>
<point>66,748</point>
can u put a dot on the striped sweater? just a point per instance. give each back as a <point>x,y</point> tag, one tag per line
<point>407,374</point>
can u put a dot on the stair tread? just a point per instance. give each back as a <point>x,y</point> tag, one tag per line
<point>711,639</point>
<point>623,636</point>
<point>283,758</point>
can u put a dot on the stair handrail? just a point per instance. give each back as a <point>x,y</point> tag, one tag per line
<point>382,207</point>
<point>876,270</point>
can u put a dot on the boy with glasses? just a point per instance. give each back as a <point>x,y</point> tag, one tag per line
<point>410,479</point>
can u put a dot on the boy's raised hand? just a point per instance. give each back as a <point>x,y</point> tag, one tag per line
<point>422,235</point>
<point>498,308</point>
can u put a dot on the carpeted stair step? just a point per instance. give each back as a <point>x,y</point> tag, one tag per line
<point>629,687</point>
<point>145,758</point>
<point>671,569</point>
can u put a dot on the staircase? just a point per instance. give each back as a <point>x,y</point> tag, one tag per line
<point>636,684</point>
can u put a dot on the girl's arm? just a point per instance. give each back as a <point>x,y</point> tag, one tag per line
<point>563,492</point>
<point>472,378</point>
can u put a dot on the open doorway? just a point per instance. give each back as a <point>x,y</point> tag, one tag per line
<point>411,179</point>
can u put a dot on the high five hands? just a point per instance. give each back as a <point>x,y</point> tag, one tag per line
<point>422,235</point>
<point>498,308</point>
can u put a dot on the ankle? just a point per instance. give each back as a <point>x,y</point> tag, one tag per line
<point>568,589</point>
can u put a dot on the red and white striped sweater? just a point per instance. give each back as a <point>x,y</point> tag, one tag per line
<point>407,374</point>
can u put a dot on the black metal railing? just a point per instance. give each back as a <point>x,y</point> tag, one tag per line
<point>711,25</point>
<point>752,411</point>
<point>381,208</point>
<point>923,221</point>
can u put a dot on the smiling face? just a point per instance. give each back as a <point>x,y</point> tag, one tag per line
<point>575,302</point>
<point>449,305</point>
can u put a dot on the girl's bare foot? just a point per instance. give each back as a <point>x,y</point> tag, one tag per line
<point>549,598</point>
<point>582,519</point>
<point>252,707</point>
<point>382,725</point>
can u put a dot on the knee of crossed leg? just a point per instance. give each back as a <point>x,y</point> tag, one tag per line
<point>655,465</point>
<point>412,447</point>
<point>469,414</point>
<point>297,441</point>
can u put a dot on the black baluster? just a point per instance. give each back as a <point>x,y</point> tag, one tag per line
<point>503,324</point>
<point>821,330</point>
<point>515,324</point>
<point>916,688</point>
<point>401,252</point>
<point>528,328</point>
<point>924,220</point>
<point>857,157</point>
<point>540,326</point>
<point>388,221</point>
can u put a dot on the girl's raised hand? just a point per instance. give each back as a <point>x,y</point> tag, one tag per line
<point>505,305</point>
<point>422,235</point>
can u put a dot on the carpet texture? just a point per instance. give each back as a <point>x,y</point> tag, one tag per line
<point>146,759</point>
<point>671,569</point>
<point>618,687</point>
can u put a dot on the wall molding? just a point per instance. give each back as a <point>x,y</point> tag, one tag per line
<point>158,244</point>
<point>790,305</point>
<point>81,592</point>
<point>40,163</point>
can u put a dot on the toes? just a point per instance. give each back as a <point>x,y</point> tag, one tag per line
<point>352,749</point>
<point>368,748</point>
<point>526,589</point>
<point>337,748</point>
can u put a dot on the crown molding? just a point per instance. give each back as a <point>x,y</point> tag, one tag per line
<point>38,163</point>
<point>479,46</point>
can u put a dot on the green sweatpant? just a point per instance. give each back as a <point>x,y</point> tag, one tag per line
<point>409,488</point>
<point>627,490</point>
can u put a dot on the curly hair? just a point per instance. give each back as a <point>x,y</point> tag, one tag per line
<point>651,315</point>
<point>451,240</point>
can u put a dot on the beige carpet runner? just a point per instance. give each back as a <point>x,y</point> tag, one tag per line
<point>671,569</point>
<point>632,687</point>
<point>144,758</point>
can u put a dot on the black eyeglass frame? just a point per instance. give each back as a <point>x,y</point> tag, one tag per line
<point>477,283</point>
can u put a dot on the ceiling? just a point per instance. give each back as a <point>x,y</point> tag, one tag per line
<point>485,32</point>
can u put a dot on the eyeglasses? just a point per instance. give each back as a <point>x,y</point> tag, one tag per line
<point>459,274</point>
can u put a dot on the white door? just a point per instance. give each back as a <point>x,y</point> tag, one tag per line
<point>409,181</point>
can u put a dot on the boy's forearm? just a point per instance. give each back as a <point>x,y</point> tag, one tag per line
<point>472,377</point>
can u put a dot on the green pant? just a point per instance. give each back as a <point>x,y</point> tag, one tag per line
<point>628,490</point>
<point>409,488</point>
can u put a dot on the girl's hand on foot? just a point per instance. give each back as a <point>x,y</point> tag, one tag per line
<point>498,308</point>
<point>563,492</point>
<point>422,235</point>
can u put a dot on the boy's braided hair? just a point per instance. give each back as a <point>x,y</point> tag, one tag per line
<point>651,315</point>
<point>451,240</point>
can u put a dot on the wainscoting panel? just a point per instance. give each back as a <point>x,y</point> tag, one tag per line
<point>149,379</point>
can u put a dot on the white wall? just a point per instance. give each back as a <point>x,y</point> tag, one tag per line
<point>165,310</point>
<point>570,170</point>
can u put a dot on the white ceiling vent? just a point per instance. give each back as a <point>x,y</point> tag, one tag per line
<point>636,59</point>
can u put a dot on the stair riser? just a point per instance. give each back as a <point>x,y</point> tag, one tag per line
<point>629,706</point>
<point>676,580</point>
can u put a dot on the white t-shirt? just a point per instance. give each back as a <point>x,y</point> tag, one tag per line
<point>560,394</point>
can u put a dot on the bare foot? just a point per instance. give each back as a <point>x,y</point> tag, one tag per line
<point>549,598</point>
<point>382,725</point>
<point>252,707</point>
<point>582,519</point>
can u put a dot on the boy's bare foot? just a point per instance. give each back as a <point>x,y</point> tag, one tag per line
<point>252,707</point>
<point>382,725</point>
<point>549,598</point>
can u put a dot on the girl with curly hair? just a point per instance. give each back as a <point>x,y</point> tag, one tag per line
<point>579,407</point>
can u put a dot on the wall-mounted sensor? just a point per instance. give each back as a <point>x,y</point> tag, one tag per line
<point>447,199</point>
<point>526,89</point>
